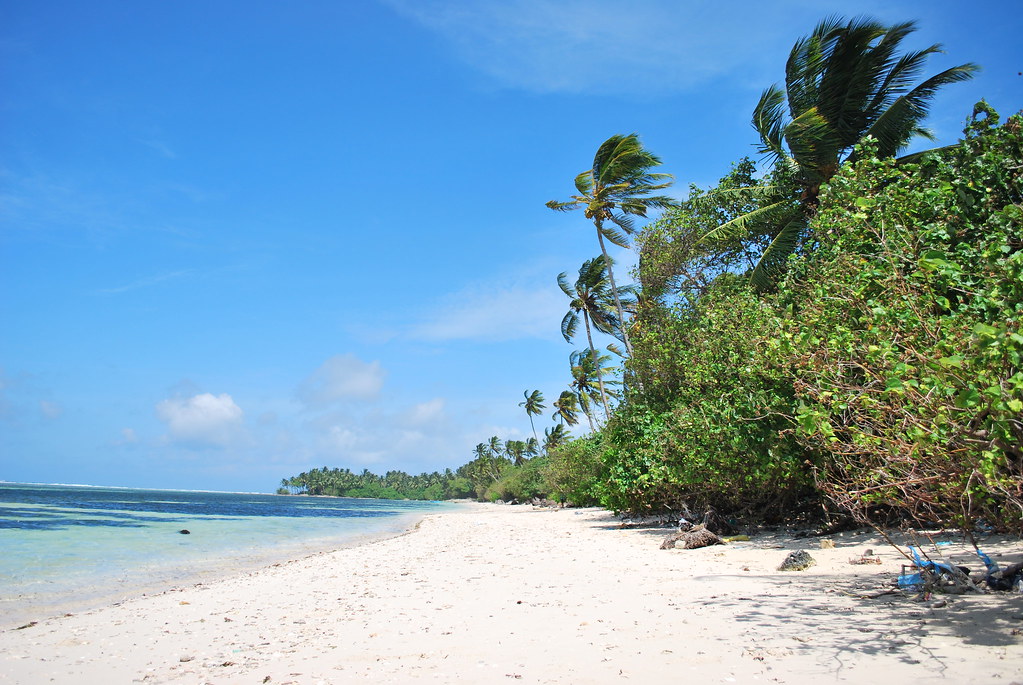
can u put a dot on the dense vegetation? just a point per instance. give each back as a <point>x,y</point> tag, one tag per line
<point>839,332</point>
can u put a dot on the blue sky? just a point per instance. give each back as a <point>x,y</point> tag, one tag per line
<point>240,240</point>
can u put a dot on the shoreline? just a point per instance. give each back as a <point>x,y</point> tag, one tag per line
<point>17,611</point>
<point>490,593</point>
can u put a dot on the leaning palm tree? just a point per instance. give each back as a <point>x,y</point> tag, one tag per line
<point>566,408</point>
<point>554,437</point>
<point>586,367</point>
<point>617,187</point>
<point>533,405</point>
<point>532,448</point>
<point>515,451</point>
<point>589,297</point>
<point>843,83</point>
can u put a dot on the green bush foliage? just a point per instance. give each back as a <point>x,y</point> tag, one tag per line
<point>905,333</point>
<point>708,429</point>
<point>519,483</point>
<point>574,472</point>
<point>884,373</point>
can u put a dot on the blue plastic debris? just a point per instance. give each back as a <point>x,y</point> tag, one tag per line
<point>1009,578</point>
<point>909,580</point>
<point>924,570</point>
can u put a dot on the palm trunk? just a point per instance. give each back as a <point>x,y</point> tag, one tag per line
<point>593,428</point>
<point>614,288</point>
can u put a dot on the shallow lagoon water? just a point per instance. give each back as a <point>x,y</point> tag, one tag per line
<point>68,548</point>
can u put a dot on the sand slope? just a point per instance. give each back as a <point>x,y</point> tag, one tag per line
<point>502,594</point>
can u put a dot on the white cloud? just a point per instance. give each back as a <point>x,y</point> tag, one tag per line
<point>340,378</point>
<point>495,312</point>
<point>603,46</point>
<point>425,412</point>
<point>406,438</point>
<point>202,419</point>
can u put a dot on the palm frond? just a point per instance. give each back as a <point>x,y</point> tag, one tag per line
<point>562,206</point>
<point>768,116</point>
<point>614,235</point>
<point>563,284</point>
<point>900,121</point>
<point>605,153</point>
<point>900,78</point>
<point>777,253</point>
<point>807,61</point>
<point>615,349</point>
<point>584,183</point>
<point>915,157</point>
<point>813,145</point>
<point>742,225</point>
<point>750,191</point>
<point>569,325</point>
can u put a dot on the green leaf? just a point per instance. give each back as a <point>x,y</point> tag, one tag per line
<point>967,398</point>
<point>985,331</point>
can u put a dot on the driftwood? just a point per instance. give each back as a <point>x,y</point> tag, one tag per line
<point>717,523</point>
<point>698,536</point>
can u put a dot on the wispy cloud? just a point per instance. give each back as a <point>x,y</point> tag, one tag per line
<point>417,434</point>
<point>147,282</point>
<point>493,312</point>
<point>605,46</point>
<point>161,147</point>
<point>343,377</point>
<point>50,410</point>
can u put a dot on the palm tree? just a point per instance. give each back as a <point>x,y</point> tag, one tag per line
<point>566,408</point>
<point>554,437</point>
<point>587,366</point>
<point>532,448</point>
<point>617,187</point>
<point>515,450</point>
<point>589,296</point>
<point>533,405</point>
<point>843,83</point>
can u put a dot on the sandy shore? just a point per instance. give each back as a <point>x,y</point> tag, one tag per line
<point>498,594</point>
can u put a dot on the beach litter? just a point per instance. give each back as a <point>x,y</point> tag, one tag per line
<point>867,557</point>
<point>925,574</point>
<point>1008,579</point>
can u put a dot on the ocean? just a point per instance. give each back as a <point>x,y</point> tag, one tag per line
<point>67,548</point>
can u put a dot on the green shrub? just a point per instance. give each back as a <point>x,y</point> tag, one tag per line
<point>712,428</point>
<point>574,471</point>
<point>905,340</point>
<point>519,483</point>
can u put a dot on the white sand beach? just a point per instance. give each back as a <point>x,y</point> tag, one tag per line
<point>494,594</point>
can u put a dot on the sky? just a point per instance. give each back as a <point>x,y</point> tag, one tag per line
<point>242,240</point>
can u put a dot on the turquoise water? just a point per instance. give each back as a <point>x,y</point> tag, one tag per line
<point>66,548</point>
